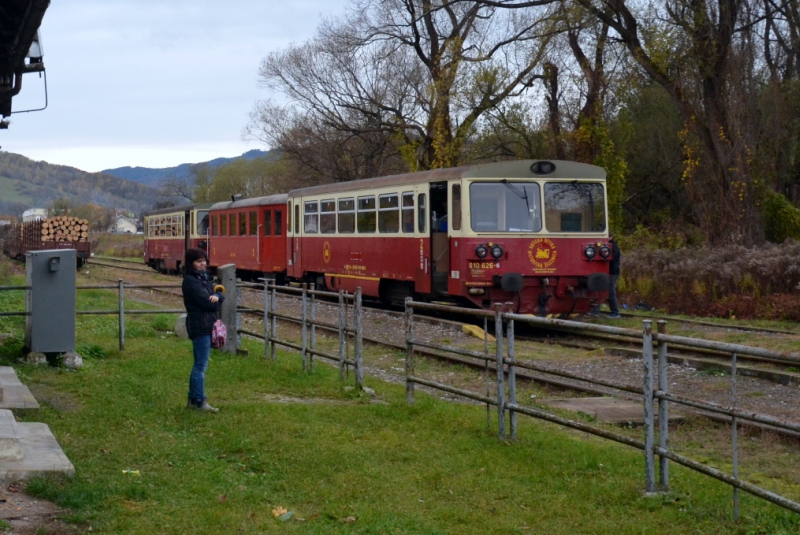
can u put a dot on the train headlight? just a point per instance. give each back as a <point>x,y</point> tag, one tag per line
<point>481,251</point>
<point>497,252</point>
<point>590,252</point>
<point>605,251</point>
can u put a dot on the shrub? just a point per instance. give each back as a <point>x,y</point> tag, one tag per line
<point>716,280</point>
<point>781,218</point>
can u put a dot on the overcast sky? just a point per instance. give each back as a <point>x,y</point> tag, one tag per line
<point>152,83</point>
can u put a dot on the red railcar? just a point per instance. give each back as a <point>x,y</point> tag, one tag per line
<point>168,232</point>
<point>533,233</point>
<point>250,233</point>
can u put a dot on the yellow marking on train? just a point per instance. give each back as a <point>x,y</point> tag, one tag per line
<point>352,277</point>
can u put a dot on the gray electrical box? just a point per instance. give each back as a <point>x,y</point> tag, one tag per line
<point>50,325</point>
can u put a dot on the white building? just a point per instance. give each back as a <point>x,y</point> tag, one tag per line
<point>34,214</point>
<point>123,225</point>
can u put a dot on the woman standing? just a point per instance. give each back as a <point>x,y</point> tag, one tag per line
<point>202,306</point>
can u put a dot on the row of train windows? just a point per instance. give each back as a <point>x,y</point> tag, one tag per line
<point>246,224</point>
<point>390,213</point>
<point>165,226</point>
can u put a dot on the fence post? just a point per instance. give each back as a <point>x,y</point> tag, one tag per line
<point>649,417</point>
<point>359,357</point>
<point>267,330</point>
<point>409,351</point>
<point>273,303</point>
<point>121,315</point>
<point>512,379</point>
<point>342,334</point>
<point>313,327</point>
<point>734,439</point>
<point>487,381</point>
<point>227,312</point>
<point>663,408</point>
<point>501,394</point>
<point>304,326</point>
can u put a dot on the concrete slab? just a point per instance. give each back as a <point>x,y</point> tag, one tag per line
<point>10,446</point>
<point>42,454</point>
<point>606,409</point>
<point>15,394</point>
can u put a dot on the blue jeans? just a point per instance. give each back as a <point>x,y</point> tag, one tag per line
<point>612,294</point>
<point>202,351</point>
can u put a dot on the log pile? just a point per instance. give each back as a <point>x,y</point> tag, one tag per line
<point>65,228</point>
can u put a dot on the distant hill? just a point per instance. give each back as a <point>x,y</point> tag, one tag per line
<point>152,177</point>
<point>37,184</point>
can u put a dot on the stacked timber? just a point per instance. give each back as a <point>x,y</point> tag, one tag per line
<point>65,229</point>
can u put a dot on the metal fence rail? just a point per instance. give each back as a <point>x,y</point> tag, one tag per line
<point>654,389</point>
<point>308,324</point>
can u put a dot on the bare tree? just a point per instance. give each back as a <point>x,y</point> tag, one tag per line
<point>415,73</point>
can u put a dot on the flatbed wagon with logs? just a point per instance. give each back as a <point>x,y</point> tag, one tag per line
<point>61,232</point>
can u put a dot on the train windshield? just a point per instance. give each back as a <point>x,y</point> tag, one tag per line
<point>505,206</point>
<point>202,223</point>
<point>574,207</point>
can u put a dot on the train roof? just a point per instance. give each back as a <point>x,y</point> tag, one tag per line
<point>255,201</point>
<point>517,169</point>
<point>181,208</point>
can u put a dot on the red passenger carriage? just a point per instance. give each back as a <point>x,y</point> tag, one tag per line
<point>250,233</point>
<point>533,233</point>
<point>168,232</point>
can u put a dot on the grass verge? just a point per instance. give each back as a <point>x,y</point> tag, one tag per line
<point>334,459</point>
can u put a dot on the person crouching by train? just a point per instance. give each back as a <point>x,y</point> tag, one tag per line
<point>613,275</point>
<point>202,307</point>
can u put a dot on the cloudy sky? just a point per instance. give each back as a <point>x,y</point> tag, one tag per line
<point>152,83</point>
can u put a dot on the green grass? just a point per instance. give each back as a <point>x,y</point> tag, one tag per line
<point>432,468</point>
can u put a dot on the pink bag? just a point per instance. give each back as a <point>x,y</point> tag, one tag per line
<point>219,334</point>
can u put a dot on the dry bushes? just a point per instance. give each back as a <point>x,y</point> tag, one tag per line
<point>118,245</point>
<point>722,281</point>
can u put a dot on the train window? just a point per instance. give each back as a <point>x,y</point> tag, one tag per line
<point>422,214</point>
<point>254,223</point>
<point>347,216</point>
<point>408,211</point>
<point>365,218</point>
<point>327,216</point>
<point>278,222</point>
<point>389,213</point>
<point>223,225</point>
<point>311,217</point>
<point>297,219</point>
<point>268,222</point>
<point>202,223</point>
<point>574,207</point>
<point>242,223</point>
<point>289,216</point>
<point>455,216</point>
<point>233,225</point>
<point>505,206</point>
<point>214,225</point>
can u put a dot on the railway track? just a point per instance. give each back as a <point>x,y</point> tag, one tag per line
<point>618,358</point>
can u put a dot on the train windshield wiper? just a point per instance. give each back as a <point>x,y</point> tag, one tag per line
<point>523,194</point>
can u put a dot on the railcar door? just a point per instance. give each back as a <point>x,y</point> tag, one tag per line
<point>294,266</point>
<point>440,246</point>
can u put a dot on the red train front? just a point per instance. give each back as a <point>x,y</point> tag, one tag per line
<point>533,233</point>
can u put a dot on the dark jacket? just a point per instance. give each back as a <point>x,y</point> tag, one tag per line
<point>616,258</point>
<point>200,312</point>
